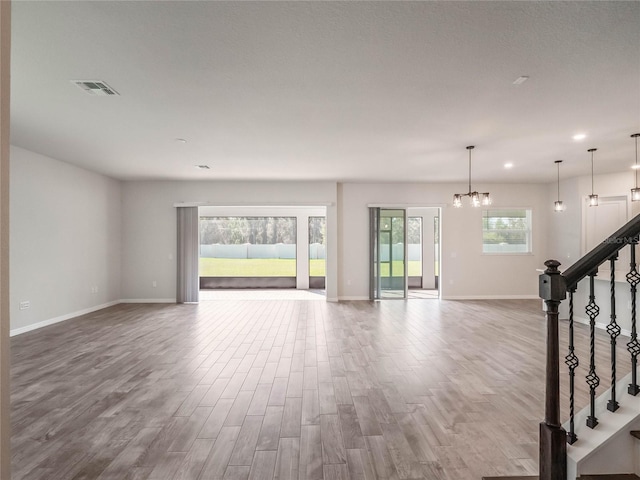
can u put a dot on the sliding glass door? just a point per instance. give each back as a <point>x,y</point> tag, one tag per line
<point>388,253</point>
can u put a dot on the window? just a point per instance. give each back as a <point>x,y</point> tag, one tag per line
<point>317,246</point>
<point>506,230</point>
<point>248,247</point>
<point>414,241</point>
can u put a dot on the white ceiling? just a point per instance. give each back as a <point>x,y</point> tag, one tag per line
<point>346,91</point>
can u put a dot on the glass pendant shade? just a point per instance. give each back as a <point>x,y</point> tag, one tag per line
<point>635,194</point>
<point>475,199</point>
<point>558,206</point>
<point>457,200</point>
<point>486,199</point>
<point>593,200</point>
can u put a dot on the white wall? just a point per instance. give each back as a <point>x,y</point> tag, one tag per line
<point>566,243</point>
<point>149,225</point>
<point>465,271</point>
<point>565,228</point>
<point>65,232</point>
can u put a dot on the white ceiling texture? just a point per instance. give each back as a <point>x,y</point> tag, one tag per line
<point>345,91</point>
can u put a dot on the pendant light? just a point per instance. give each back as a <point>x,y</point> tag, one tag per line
<point>476,201</point>
<point>593,198</point>
<point>635,192</point>
<point>558,206</point>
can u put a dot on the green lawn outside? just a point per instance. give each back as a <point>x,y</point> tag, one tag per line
<point>279,267</point>
<point>415,267</point>
<point>256,267</point>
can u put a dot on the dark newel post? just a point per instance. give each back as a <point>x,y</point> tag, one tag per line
<point>553,438</point>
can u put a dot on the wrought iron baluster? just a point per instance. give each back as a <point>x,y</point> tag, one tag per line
<point>593,380</point>
<point>633,278</point>
<point>613,329</point>
<point>571,360</point>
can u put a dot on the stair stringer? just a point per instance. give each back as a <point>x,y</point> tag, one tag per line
<point>609,447</point>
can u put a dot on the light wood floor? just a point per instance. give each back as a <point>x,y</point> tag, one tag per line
<point>285,389</point>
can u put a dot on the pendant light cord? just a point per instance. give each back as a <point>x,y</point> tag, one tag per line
<point>470,169</point>
<point>592,173</point>
<point>636,137</point>
<point>558,163</point>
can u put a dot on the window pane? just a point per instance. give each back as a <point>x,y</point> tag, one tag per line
<point>506,231</point>
<point>414,241</point>
<point>247,247</point>
<point>317,246</point>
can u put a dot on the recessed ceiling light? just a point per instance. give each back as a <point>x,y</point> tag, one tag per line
<point>508,165</point>
<point>520,80</point>
<point>635,167</point>
<point>202,167</point>
<point>579,136</point>
<point>181,140</point>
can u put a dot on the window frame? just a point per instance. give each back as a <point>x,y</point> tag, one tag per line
<point>529,231</point>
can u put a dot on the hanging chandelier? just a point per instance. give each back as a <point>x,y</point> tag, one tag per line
<point>558,206</point>
<point>474,196</point>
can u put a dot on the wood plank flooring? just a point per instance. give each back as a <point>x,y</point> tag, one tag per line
<point>287,389</point>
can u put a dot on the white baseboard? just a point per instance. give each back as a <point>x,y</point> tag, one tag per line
<point>490,297</point>
<point>61,318</point>
<point>461,297</point>
<point>147,300</point>
<point>333,299</point>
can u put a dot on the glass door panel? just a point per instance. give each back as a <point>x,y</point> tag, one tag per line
<point>388,253</point>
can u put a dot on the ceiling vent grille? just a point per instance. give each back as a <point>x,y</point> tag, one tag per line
<point>96,88</point>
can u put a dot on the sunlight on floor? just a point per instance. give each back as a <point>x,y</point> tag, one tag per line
<point>261,294</point>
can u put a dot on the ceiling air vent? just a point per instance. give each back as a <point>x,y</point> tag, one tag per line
<point>95,87</point>
<point>202,167</point>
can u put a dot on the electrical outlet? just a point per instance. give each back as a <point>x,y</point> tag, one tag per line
<point>154,284</point>
<point>24,305</point>
<point>94,289</point>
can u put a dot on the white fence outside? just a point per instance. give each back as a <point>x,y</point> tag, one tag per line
<point>247,250</point>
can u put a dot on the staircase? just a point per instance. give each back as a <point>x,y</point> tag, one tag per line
<point>596,440</point>
<point>614,476</point>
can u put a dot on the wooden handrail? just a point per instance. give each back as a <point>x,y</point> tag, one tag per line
<point>600,254</point>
